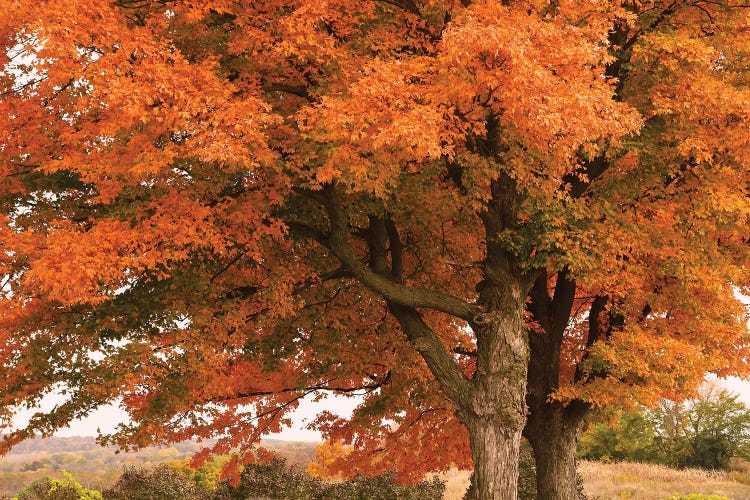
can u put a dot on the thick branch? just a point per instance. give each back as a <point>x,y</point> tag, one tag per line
<point>562,302</point>
<point>337,242</point>
<point>297,90</point>
<point>597,329</point>
<point>396,249</point>
<point>407,5</point>
<point>440,362</point>
<point>455,385</point>
<point>552,314</point>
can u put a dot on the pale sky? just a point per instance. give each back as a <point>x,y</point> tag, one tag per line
<point>108,417</point>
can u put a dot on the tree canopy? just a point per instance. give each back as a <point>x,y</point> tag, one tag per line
<point>211,210</point>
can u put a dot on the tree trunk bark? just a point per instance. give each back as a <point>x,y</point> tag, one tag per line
<point>494,449</point>
<point>496,414</point>
<point>554,438</point>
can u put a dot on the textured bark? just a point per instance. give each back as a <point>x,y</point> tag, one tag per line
<point>497,414</point>
<point>494,449</point>
<point>553,434</point>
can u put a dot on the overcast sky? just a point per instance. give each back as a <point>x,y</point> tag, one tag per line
<point>108,417</point>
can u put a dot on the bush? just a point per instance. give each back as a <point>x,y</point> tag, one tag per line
<point>631,438</point>
<point>159,483</point>
<point>277,480</point>
<point>698,496</point>
<point>55,489</point>
<point>382,487</point>
<point>270,480</point>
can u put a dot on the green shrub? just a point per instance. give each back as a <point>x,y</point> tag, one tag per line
<point>159,483</point>
<point>698,496</point>
<point>55,489</point>
<point>270,480</point>
<point>382,487</point>
<point>631,438</point>
<point>277,480</point>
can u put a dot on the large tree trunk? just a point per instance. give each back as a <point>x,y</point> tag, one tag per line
<point>496,415</point>
<point>494,449</point>
<point>551,428</point>
<point>553,433</point>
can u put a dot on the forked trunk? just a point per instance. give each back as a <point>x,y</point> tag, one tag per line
<point>494,449</point>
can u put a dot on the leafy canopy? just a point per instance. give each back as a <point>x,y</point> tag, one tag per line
<point>208,210</point>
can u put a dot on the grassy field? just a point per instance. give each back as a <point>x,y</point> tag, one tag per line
<point>623,481</point>
<point>655,482</point>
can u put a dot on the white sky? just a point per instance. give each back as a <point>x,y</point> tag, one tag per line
<point>108,417</point>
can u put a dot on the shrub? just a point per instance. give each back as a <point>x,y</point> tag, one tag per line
<point>698,496</point>
<point>159,483</point>
<point>271,480</point>
<point>382,487</point>
<point>277,480</point>
<point>631,438</point>
<point>55,489</point>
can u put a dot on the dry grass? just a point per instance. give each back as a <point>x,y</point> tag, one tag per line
<point>655,482</point>
<point>634,481</point>
<point>456,483</point>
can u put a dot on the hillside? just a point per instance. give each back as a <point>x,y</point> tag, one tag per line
<point>98,467</point>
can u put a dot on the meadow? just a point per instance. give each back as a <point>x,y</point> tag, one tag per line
<point>634,481</point>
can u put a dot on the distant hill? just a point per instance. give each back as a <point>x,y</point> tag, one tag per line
<point>98,467</point>
<point>83,443</point>
<point>55,445</point>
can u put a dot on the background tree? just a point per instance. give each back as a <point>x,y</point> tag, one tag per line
<point>214,211</point>
<point>631,437</point>
<point>706,432</point>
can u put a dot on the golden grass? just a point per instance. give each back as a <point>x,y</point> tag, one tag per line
<point>631,481</point>
<point>456,483</point>
<point>654,482</point>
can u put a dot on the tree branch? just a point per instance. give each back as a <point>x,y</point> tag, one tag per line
<point>407,5</point>
<point>298,90</point>
<point>455,385</point>
<point>414,297</point>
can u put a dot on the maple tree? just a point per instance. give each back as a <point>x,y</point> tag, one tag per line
<point>212,210</point>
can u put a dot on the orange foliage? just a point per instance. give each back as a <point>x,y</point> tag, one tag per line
<point>326,455</point>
